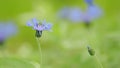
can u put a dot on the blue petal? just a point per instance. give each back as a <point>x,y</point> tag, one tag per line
<point>35,21</point>
<point>10,29</point>
<point>94,12</point>
<point>45,25</point>
<point>75,15</point>
<point>7,29</point>
<point>2,37</point>
<point>29,23</point>
<point>48,26</point>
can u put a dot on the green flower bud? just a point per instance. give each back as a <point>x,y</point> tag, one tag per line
<point>91,51</point>
<point>38,34</point>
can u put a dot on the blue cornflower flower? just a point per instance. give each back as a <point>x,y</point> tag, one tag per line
<point>92,12</point>
<point>39,26</point>
<point>77,15</point>
<point>7,30</point>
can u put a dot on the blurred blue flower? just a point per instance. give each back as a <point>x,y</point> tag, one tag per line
<point>7,30</point>
<point>92,12</point>
<point>77,15</point>
<point>39,25</point>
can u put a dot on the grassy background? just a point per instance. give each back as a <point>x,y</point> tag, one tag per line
<point>65,47</point>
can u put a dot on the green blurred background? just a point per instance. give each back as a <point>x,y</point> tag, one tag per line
<point>65,47</point>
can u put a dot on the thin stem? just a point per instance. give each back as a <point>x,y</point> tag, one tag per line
<point>40,51</point>
<point>97,59</point>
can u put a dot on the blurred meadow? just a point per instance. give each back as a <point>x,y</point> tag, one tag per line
<point>65,46</point>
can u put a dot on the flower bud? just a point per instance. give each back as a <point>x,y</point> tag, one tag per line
<point>38,34</point>
<point>91,51</point>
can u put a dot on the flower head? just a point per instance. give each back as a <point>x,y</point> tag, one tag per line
<point>39,26</point>
<point>77,15</point>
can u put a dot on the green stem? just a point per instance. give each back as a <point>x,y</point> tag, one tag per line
<point>40,52</point>
<point>97,59</point>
